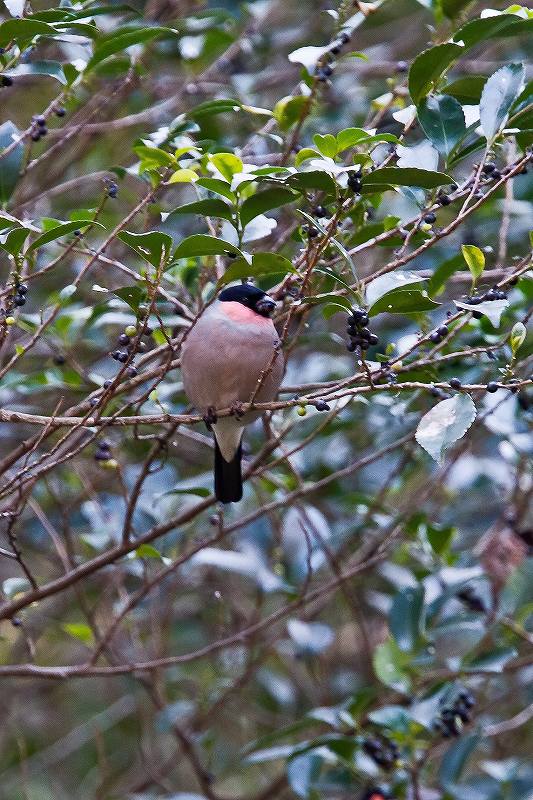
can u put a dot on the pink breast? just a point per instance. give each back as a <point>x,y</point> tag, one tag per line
<point>239,313</point>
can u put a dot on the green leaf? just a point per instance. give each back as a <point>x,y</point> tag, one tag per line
<point>389,665</point>
<point>14,240</point>
<point>201,244</point>
<point>183,176</point>
<point>51,68</point>
<point>197,491</point>
<point>493,309</point>
<point>264,201</point>
<point>445,424</point>
<point>262,264</point>
<point>288,110</point>
<point>148,551</point>
<point>406,617</point>
<point>451,8</point>
<point>518,590</point>
<point>314,179</point>
<point>518,336</point>
<point>406,176</point>
<point>227,164</point>
<point>500,25</point>
<point>403,301</point>
<point>443,122</point>
<point>389,283</point>
<point>10,165</point>
<point>23,30</point>
<point>61,230</point>
<point>212,107</point>
<point>120,40</point>
<point>152,157</point>
<point>132,295</point>
<point>455,759</point>
<point>326,144</point>
<point>427,68</point>
<point>499,93</point>
<point>79,630</point>
<point>350,137</point>
<point>475,260</point>
<point>440,538</point>
<point>302,772</point>
<point>218,187</point>
<point>204,208</point>
<point>466,90</point>
<point>153,247</point>
<point>493,661</point>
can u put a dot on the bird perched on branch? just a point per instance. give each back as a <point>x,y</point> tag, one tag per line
<point>231,356</point>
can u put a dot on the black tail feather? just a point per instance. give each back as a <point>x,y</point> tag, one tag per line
<point>228,478</point>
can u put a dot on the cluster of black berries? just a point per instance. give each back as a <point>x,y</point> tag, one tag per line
<point>454,713</point>
<point>19,294</point>
<point>324,69</point>
<point>6,81</point>
<point>38,127</point>
<point>490,171</point>
<point>438,335</point>
<point>137,346</point>
<point>443,199</point>
<point>476,299</point>
<point>360,335</point>
<point>383,751</point>
<point>355,182</point>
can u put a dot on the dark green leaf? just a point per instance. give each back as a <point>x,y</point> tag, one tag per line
<point>427,68</point>
<point>10,165</point>
<point>444,271</point>
<point>14,240</point>
<point>500,25</point>
<point>23,30</point>
<point>493,661</point>
<point>211,107</point>
<point>403,301</point>
<point>443,122</point>
<point>390,282</point>
<point>455,759</point>
<point>153,246</point>
<point>201,244</point>
<point>132,295</point>
<point>406,617</point>
<point>264,201</point>
<point>61,230</point>
<point>499,93</point>
<point>313,180</point>
<point>466,90</point>
<point>302,771</point>
<point>217,186</point>
<point>207,208</point>
<point>452,7</point>
<point>406,176</point>
<point>262,264</point>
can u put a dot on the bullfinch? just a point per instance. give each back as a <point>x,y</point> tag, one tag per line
<point>224,356</point>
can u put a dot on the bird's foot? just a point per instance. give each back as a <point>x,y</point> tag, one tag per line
<point>237,409</point>
<point>210,418</point>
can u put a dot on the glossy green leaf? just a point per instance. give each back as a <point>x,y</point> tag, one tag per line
<point>153,247</point>
<point>227,164</point>
<point>466,90</point>
<point>475,260</point>
<point>79,630</point>
<point>499,93</point>
<point>403,301</point>
<point>498,26</point>
<point>262,264</point>
<point>51,68</point>
<point>390,666</point>
<point>302,772</point>
<point>390,282</point>
<point>10,165</point>
<point>494,660</point>
<point>492,309</point>
<point>406,176</point>
<point>132,295</point>
<point>201,244</point>
<point>327,144</point>
<point>443,122</point>
<point>455,759</point>
<point>406,617</point>
<point>445,424</point>
<point>61,230</point>
<point>23,30</point>
<point>288,110</point>
<point>314,179</point>
<point>14,240</point>
<point>217,186</point>
<point>427,68</point>
<point>213,107</point>
<point>264,201</point>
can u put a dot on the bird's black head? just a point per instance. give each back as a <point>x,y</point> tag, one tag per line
<point>249,296</point>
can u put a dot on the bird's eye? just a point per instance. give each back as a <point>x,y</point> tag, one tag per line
<point>265,306</point>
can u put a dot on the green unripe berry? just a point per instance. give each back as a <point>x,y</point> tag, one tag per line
<point>425,226</point>
<point>301,411</point>
<point>10,320</point>
<point>111,463</point>
<point>130,330</point>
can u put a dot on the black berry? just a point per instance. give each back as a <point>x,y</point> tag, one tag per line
<point>455,383</point>
<point>430,218</point>
<point>492,387</point>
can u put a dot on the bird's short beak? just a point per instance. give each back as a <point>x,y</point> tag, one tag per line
<point>265,306</point>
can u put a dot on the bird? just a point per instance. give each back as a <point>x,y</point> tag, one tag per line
<point>232,348</point>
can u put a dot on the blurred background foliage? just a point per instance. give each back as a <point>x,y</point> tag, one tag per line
<point>413,677</point>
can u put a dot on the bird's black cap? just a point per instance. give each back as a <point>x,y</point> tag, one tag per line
<point>249,296</point>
